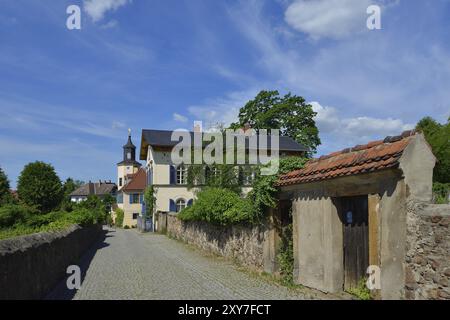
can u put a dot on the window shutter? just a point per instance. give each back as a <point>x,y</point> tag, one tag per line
<point>190,202</point>
<point>172,206</point>
<point>173,175</point>
<point>141,196</point>
<point>130,198</point>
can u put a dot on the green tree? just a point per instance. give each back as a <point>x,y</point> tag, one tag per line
<point>438,136</point>
<point>289,113</point>
<point>40,187</point>
<point>150,200</point>
<point>69,186</point>
<point>5,193</point>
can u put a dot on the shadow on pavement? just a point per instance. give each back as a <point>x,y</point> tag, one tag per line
<point>61,292</point>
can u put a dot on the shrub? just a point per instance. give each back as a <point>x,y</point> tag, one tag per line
<point>286,256</point>
<point>126,227</point>
<point>85,217</point>
<point>40,187</point>
<point>440,192</point>
<point>218,206</point>
<point>11,215</point>
<point>119,217</point>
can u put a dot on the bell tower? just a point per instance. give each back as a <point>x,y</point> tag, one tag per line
<point>128,165</point>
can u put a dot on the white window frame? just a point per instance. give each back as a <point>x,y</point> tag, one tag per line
<point>180,204</point>
<point>181,175</point>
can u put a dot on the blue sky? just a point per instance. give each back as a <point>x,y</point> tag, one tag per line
<point>68,96</point>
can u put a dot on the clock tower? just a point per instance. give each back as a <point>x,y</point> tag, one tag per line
<point>128,166</point>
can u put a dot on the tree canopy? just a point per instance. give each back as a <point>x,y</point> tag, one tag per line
<point>40,187</point>
<point>438,136</point>
<point>289,113</point>
<point>5,194</point>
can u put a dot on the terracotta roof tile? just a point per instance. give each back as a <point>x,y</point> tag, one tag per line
<point>138,181</point>
<point>371,157</point>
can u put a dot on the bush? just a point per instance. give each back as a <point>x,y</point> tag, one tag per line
<point>286,256</point>
<point>39,186</point>
<point>440,192</point>
<point>119,217</point>
<point>11,215</point>
<point>126,227</point>
<point>218,206</point>
<point>85,217</point>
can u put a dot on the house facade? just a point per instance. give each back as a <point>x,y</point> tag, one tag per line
<point>100,189</point>
<point>170,181</point>
<point>131,182</point>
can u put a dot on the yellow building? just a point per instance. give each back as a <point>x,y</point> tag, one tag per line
<point>131,182</point>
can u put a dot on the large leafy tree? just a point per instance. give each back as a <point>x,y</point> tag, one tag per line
<point>5,194</point>
<point>40,187</point>
<point>438,136</point>
<point>289,113</point>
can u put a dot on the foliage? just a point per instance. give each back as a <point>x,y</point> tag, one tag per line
<point>150,200</point>
<point>361,291</point>
<point>5,193</point>
<point>39,186</point>
<point>223,176</point>
<point>289,113</point>
<point>286,256</point>
<point>437,136</point>
<point>16,220</point>
<point>119,217</point>
<point>218,206</point>
<point>264,192</point>
<point>441,192</point>
<point>11,215</point>
<point>69,186</point>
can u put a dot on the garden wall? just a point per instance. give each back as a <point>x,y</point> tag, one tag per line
<point>31,266</point>
<point>249,246</point>
<point>427,269</point>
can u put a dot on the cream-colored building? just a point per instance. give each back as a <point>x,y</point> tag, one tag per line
<point>170,180</point>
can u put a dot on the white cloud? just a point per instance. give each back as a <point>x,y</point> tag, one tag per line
<point>340,132</point>
<point>328,18</point>
<point>222,110</point>
<point>179,118</point>
<point>109,25</point>
<point>96,9</point>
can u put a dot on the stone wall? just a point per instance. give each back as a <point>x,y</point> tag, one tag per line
<point>427,269</point>
<point>31,266</point>
<point>244,244</point>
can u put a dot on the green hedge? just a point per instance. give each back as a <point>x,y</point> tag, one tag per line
<point>218,206</point>
<point>16,220</point>
<point>441,191</point>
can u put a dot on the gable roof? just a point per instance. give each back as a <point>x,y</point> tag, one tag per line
<point>98,188</point>
<point>371,157</point>
<point>162,138</point>
<point>138,181</point>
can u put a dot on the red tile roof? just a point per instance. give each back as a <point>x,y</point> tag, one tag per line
<point>138,181</point>
<point>374,156</point>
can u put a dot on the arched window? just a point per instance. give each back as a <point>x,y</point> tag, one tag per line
<point>181,204</point>
<point>181,175</point>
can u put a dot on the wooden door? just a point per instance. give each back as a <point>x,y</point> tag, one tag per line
<point>354,216</point>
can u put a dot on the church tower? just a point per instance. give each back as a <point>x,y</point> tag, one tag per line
<point>128,166</point>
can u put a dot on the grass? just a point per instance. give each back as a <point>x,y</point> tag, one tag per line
<point>361,291</point>
<point>25,230</point>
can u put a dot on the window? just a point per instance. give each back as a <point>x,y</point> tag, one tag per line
<point>135,216</point>
<point>120,182</point>
<point>120,198</point>
<point>129,155</point>
<point>181,204</point>
<point>181,175</point>
<point>134,198</point>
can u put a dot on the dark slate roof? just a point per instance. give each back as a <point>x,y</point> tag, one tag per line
<point>129,143</point>
<point>162,138</point>
<point>97,188</point>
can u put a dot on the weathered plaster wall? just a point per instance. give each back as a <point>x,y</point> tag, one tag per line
<point>318,254</point>
<point>427,269</point>
<point>30,266</point>
<point>243,244</point>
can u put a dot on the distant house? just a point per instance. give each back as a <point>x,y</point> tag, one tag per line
<point>100,189</point>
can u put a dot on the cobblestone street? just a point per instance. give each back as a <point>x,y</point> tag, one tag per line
<point>130,265</point>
